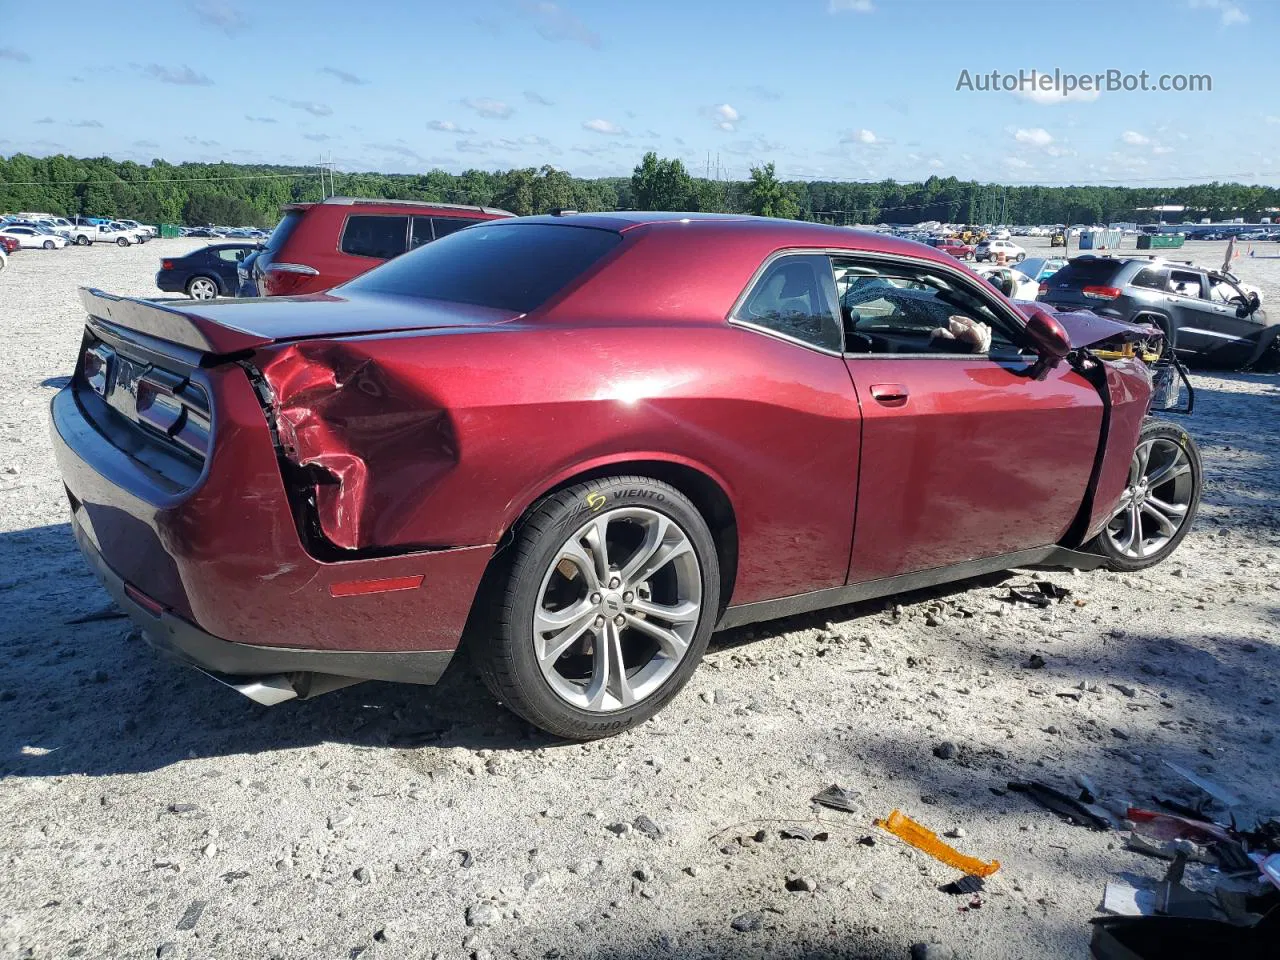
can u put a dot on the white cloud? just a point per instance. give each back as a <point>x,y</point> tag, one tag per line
<point>850,6</point>
<point>723,117</point>
<point>532,96</point>
<point>1046,97</point>
<point>220,15</point>
<point>860,136</point>
<point>1134,138</point>
<point>553,22</point>
<point>448,126</point>
<point>1034,136</point>
<point>603,126</point>
<point>936,164</point>
<point>1017,163</point>
<point>1161,150</point>
<point>488,107</point>
<point>1229,11</point>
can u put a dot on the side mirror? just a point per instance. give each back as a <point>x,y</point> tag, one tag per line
<point>1048,336</point>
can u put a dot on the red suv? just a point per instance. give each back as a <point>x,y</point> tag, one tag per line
<point>320,245</point>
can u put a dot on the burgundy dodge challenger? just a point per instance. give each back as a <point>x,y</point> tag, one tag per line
<point>577,445</point>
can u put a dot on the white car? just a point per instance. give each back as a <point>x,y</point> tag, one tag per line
<point>133,234</point>
<point>142,228</point>
<point>4,259</point>
<point>32,238</point>
<point>991,249</point>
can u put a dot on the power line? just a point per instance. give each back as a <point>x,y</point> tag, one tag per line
<point>135,183</point>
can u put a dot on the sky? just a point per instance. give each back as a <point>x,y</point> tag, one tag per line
<point>839,89</point>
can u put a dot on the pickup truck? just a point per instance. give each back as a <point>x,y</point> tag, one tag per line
<point>952,245</point>
<point>83,234</point>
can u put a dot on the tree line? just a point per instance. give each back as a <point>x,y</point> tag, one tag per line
<point>252,194</point>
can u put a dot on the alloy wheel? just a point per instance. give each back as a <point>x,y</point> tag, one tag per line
<point>1155,503</point>
<point>202,289</point>
<point>617,609</point>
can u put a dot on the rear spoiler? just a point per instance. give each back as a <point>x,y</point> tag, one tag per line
<point>183,326</point>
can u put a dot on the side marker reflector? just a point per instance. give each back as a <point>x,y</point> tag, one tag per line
<point>356,588</point>
<point>153,607</point>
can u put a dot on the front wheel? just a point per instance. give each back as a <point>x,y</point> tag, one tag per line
<point>82,241</point>
<point>122,241</point>
<point>612,596</point>
<point>49,244</point>
<point>1159,503</point>
<point>1019,258</point>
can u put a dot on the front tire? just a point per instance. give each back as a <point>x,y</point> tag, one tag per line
<point>49,244</point>
<point>1159,502</point>
<point>612,595</point>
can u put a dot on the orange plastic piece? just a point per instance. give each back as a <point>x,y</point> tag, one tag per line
<point>903,827</point>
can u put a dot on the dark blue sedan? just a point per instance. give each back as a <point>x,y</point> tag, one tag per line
<point>205,272</point>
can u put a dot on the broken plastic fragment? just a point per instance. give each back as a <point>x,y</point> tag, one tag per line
<point>923,839</point>
<point>838,798</point>
<point>1057,801</point>
<point>1221,794</point>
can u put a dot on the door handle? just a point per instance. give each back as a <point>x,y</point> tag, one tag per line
<point>890,394</point>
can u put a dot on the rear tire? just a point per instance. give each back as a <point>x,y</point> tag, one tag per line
<point>202,288</point>
<point>122,241</point>
<point>49,244</point>
<point>1160,502</point>
<point>559,669</point>
<point>82,241</point>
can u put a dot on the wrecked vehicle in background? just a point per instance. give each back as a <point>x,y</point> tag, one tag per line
<point>587,442</point>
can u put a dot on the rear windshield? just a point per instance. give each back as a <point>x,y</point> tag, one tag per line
<point>281,233</point>
<point>514,267</point>
<point>1087,273</point>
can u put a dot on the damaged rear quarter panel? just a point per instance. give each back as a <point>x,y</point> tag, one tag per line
<point>371,431</point>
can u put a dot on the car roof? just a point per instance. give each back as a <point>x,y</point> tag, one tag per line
<point>766,232</point>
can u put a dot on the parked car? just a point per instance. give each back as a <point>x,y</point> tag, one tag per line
<point>991,249</point>
<point>206,272</point>
<point>83,234</point>
<point>133,234</point>
<point>142,229</point>
<point>1031,272</point>
<point>34,237</point>
<point>579,436</point>
<point>245,285</point>
<point>953,246</point>
<point>4,257</point>
<point>1207,317</point>
<point>9,244</point>
<point>319,245</point>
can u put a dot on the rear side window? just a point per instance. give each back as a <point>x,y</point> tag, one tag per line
<point>513,267</point>
<point>1150,278</point>
<point>1087,273</point>
<point>373,236</point>
<point>796,298</point>
<point>447,225</point>
<point>282,231</point>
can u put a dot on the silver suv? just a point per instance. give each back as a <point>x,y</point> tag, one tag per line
<point>1207,316</point>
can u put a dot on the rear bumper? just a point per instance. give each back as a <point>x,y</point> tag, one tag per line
<point>179,638</point>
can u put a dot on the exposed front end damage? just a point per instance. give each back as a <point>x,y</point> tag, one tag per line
<point>358,442</point>
<point>1124,361</point>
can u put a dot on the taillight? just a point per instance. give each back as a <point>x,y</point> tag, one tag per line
<point>1044,288</point>
<point>282,279</point>
<point>1101,293</point>
<point>166,264</point>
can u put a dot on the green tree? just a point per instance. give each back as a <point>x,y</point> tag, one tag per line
<point>769,197</point>
<point>661,185</point>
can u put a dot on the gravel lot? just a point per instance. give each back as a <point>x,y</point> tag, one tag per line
<point>147,812</point>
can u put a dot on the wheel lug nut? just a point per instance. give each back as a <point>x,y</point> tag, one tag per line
<point>628,597</point>
<point>595,598</point>
<point>599,621</point>
<point>614,583</point>
<point>619,620</point>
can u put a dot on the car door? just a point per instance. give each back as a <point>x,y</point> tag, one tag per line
<point>226,261</point>
<point>965,455</point>
<point>1204,326</point>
